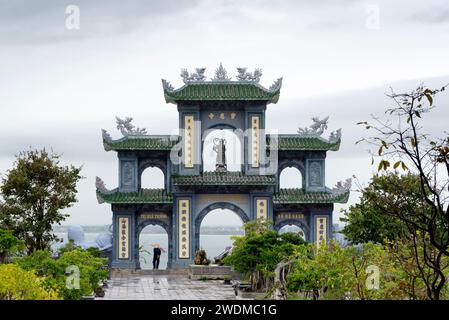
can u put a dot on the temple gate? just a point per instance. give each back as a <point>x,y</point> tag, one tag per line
<point>190,192</point>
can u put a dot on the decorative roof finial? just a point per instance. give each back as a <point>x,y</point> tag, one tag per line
<point>167,85</point>
<point>99,184</point>
<point>128,129</point>
<point>276,85</point>
<point>221,74</point>
<point>194,76</point>
<point>343,186</point>
<point>335,136</point>
<point>243,75</point>
<point>106,135</point>
<point>316,129</point>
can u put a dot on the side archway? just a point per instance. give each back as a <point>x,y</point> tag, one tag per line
<point>291,163</point>
<point>156,222</point>
<point>217,205</point>
<point>299,223</point>
<point>152,164</point>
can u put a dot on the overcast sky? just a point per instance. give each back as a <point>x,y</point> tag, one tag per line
<point>60,86</point>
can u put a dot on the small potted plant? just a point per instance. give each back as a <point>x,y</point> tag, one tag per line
<point>227,280</point>
<point>201,258</point>
<point>99,292</point>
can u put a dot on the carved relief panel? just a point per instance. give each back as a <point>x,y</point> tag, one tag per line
<point>315,174</point>
<point>128,175</point>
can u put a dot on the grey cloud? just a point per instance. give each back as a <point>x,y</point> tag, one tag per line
<point>81,141</point>
<point>74,144</point>
<point>435,15</point>
<point>348,108</point>
<point>43,21</point>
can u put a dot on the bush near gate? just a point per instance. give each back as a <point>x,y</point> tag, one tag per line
<point>9,245</point>
<point>54,271</point>
<point>257,253</point>
<point>363,272</point>
<point>19,284</point>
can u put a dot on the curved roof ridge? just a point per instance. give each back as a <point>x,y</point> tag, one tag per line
<point>298,142</point>
<point>149,195</point>
<point>220,90</point>
<point>300,195</point>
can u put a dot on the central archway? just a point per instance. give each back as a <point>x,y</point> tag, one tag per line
<point>303,227</point>
<point>221,206</point>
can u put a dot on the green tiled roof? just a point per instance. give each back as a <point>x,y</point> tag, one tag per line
<point>140,143</point>
<point>143,196</point>
<point>221,91</point>
<point>298,142</point>
<point>287,196</point>
<point>164,143</point>
<point>224,178</point>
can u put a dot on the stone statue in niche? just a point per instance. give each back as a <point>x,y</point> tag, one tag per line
<point>128,173</point>
<point>220,149</point>
<point>315,174</point>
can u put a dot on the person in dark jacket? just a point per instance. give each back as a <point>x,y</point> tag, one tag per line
<point>156,257</point>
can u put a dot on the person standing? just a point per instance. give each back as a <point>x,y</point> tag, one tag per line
<point>156,257</point>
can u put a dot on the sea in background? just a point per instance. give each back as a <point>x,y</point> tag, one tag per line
<point>214,244</point>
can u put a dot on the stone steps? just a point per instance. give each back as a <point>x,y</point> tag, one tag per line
<point>163,272</point>
<point>124,272</point>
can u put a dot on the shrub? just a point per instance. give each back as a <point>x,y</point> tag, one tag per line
<point>69,246</point>
<point>334,272</point>
<point>54,270</point>
<point>9,245</point>
<point>257,253</point>
<point>19,284</point>
<point>90,272</point>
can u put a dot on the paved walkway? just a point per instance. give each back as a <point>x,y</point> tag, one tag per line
<point>166,287</point>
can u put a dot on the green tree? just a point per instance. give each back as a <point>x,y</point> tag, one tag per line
<point>411,274</point>
<point>375,217</point>
<point>9,245</point>
<point>402,142</point>
<point>322,273</point>
<point>335,272</point>
<point>34,192</point>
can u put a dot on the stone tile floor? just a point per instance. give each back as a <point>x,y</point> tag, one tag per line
<point>166,287</point>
